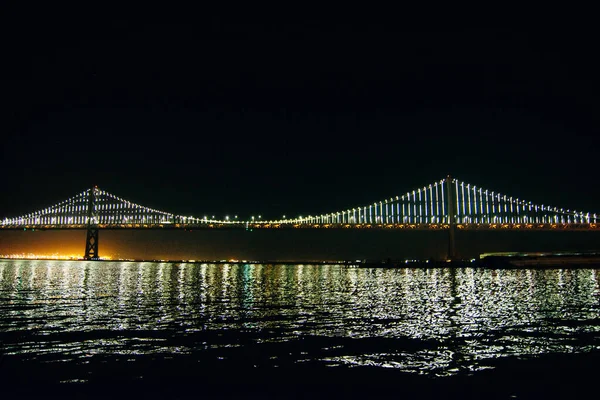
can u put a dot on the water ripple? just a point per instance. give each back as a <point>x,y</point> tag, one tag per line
<point>435,322</point>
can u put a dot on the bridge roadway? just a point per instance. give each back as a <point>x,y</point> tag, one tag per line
<point>288,225</point>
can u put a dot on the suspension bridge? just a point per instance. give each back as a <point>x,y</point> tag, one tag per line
<point>448,204</point>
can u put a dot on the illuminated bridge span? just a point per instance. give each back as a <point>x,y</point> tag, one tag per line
<point>446,204</point>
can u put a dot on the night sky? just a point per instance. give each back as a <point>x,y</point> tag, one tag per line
<point>221,116</point>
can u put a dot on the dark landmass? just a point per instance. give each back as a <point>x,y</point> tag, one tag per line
<point>511,260</point>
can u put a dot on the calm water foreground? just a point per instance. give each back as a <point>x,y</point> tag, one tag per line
<point>285,331</point>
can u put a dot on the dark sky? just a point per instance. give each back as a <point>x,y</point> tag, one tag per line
<point>219,115</point>
<point>223,115</point>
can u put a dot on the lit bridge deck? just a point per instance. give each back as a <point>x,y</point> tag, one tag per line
<point>283,225</point>
<point>445,205</point>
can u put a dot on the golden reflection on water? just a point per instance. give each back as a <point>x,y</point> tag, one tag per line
<point>439,321</point>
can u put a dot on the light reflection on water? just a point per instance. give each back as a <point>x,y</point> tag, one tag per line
<point>426,321</point>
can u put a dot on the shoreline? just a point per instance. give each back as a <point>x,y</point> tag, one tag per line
<point>487,261</point>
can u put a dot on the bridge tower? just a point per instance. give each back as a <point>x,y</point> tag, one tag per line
<point>91,240</point>
<point>452,206</point>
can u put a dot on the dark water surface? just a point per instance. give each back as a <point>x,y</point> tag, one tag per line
<point>287,331</point>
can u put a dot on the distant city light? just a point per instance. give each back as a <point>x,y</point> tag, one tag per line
<point>33,256</point>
